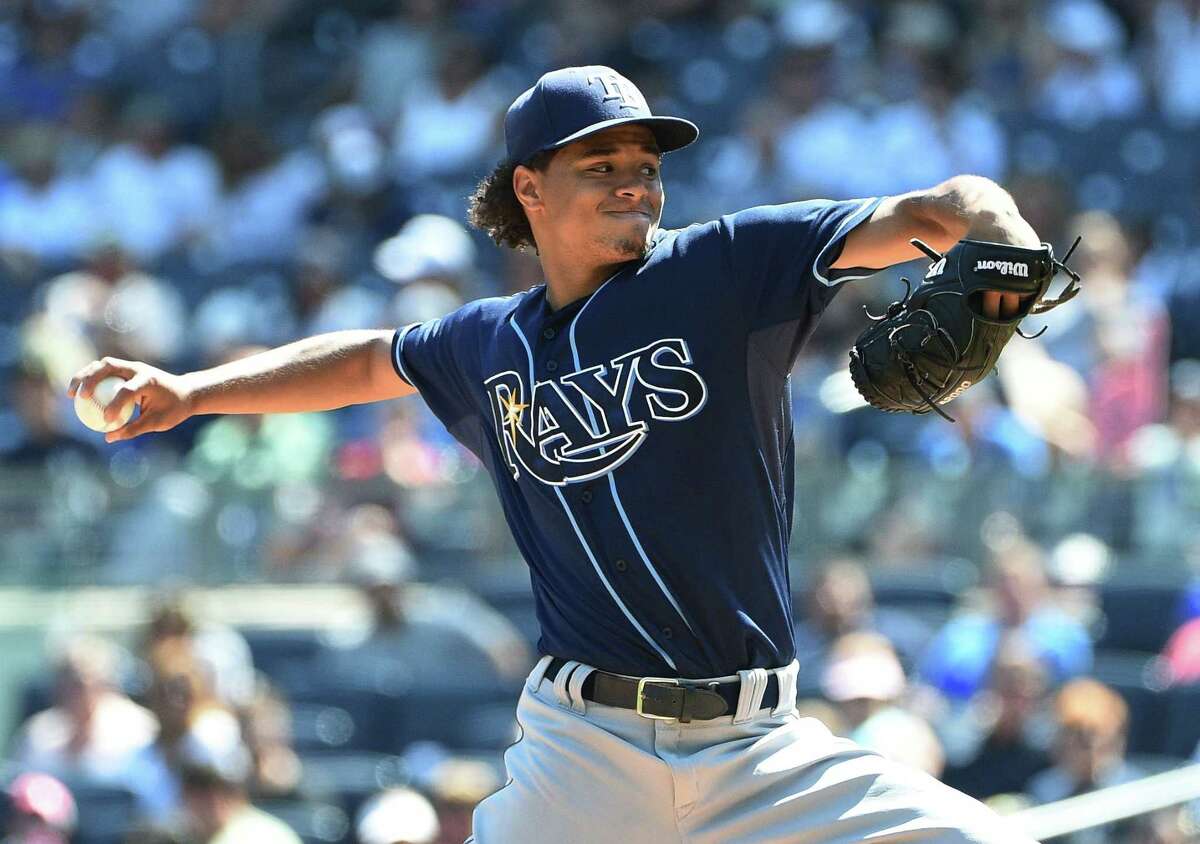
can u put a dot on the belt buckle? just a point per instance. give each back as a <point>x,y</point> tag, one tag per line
<point>641,693</point>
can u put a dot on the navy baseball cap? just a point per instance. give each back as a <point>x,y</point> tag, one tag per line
<point>574,102</point>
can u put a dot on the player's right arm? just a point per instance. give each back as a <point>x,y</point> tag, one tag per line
<point>323,372</point>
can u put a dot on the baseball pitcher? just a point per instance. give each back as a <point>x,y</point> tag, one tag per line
<point>633,414</point>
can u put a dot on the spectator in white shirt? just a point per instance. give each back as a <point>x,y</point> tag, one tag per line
<point>454,124</point>
<point>929,138</point>
<point>1090,79</point>
<point>45,215</point>
<point>822,145</point>
<point>93,731</point>
<point>268,197</point>
<point>153,193</point>
<point>1175,43</point>
<point>126,312</point>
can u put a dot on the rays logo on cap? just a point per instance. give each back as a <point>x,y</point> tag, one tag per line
<point>617,88</point>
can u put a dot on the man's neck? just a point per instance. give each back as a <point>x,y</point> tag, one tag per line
<point>568,279</point>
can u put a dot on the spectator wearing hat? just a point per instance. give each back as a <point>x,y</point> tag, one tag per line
<point>416,630</point>
<point>397,816</point>
<point>431,259</point>
<point>41,810</point>
<point>191,720</point>
<point>217,808</point>
<point>865,679</point>
<point>120,307</point>
<point>1089,751</point>
<point>93,732</point>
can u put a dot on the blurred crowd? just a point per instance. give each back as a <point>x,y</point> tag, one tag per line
<point>1013,691</point>
<point>190,185</point>
<point>1013,683</point>
<point>192,732</point>
<point>186,182</point>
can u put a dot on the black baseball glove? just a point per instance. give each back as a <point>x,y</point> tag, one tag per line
<point>935,343</point>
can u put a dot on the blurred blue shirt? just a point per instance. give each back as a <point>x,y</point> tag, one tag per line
<point>959,659</point>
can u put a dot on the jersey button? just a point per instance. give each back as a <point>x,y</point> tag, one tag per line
<point>621,565</point>
<point>551,366</point>
<point>668,632</point>
<point>586,496</point>
<point>549,333</point>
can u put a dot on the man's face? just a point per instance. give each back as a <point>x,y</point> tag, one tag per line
<point>79,693</point>
<point>600,199</point>
<point>1088,752</point>
<point>210,808</point>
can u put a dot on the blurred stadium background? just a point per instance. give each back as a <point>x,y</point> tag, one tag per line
<point>324,613</point>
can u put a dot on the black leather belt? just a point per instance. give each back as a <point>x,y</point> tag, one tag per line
<point>666,698</point>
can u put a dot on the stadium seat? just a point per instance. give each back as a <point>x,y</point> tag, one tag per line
<point>1150,764</point>
<point>319,726</point>
<point>1183,721</point>
<point>341,716</point>
<point>106,813</point>
<point>36,695</point>
<point>512,597</point>
<point>1138,679</point>
<point>283,654</point>
<point>460,721</point>
<point>1138,616</point>
<point>334,716</point>
<point>350,778</point>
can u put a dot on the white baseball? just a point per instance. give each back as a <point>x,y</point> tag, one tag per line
<point>91,410</point>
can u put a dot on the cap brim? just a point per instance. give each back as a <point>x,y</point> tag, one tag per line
<point>671,133</point>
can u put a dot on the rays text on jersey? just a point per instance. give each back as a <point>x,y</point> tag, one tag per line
<point>586,423</point>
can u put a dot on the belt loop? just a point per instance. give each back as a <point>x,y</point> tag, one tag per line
<point>786,677</point>
<point>560,682</point>
<point>754,685</point>
<point>575,688</point>
<point>538,672</point>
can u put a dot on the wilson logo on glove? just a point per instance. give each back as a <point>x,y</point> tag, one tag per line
<point>1004,267</point>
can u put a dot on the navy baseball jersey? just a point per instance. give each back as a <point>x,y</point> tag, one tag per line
<point>640,439</point>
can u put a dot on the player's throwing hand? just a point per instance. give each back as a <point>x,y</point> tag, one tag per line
<point>164,399</point>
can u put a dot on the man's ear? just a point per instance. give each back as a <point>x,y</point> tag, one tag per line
<point>526,186</point>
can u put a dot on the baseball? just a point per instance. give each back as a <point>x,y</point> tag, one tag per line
<point>91,410</point>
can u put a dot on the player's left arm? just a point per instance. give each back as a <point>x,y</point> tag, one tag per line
<point>961,207</point>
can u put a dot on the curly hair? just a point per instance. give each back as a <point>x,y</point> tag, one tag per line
<point>495,209</point>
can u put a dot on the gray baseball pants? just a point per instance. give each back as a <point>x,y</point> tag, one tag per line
<point>584,773</point>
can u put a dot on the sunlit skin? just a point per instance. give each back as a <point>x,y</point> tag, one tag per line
<point>594,207</point>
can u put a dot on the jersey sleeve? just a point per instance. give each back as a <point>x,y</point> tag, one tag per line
<point>434,357</point>
<point>780,257</point>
